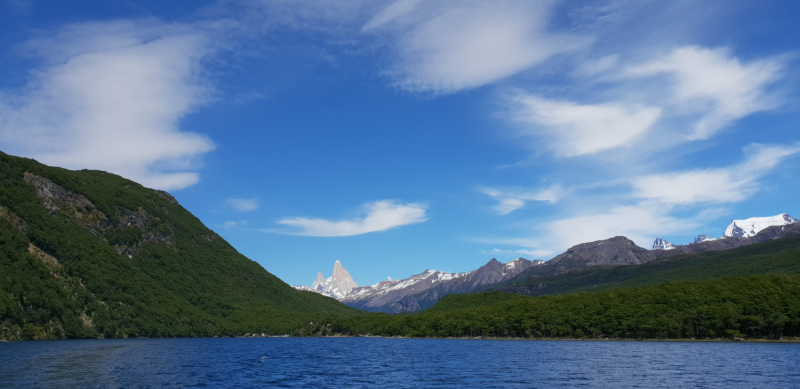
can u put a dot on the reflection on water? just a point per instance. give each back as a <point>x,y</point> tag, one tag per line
<point>368,362</point>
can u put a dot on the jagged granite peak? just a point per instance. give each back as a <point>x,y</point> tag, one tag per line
<point>319,281</point>
<point>423,290</point>
<point>338,286</point>
<point>750,227</point>
<point>703,238</point>
<point>341,281</point>
<point>661,244</point>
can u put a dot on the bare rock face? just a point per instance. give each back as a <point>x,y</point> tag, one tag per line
<point>338,286</point>
<point>618,250</point>
<point>59,201</point>
<point>341,279</point>
<point>319,281</point>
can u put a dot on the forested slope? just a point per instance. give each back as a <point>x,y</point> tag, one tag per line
<point>91,254</point>
<point>765,306</point>
<point>779,256</point>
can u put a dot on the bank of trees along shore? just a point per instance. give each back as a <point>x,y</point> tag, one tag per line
<point>120,260</point>
<point>752,307</point>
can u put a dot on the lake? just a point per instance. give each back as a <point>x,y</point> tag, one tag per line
<point>371,362</point>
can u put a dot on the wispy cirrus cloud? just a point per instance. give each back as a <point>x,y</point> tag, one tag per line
<point>233,224</point>
<point>378,216</point>
<point>511,200</point>
<point>109,96</point>
<point>530,253</point>
<point>713,84</point>
<point>720,185</point>
<point>445,47</point>
<point>572,129</point>
<point>654,199</point>
<point>244,205</point>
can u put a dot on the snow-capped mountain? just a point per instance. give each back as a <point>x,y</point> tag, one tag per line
<point>703,238</point>
<point>307,289</point>
<point>661,244</point>
<point>338,286</point>
<point>746,228</point>
<point>423,290</point>
<point>750,227</point>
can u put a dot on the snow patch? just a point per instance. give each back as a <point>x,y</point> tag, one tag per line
<point>752,226</point>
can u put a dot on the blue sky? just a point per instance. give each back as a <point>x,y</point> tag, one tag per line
<point>399,136</point>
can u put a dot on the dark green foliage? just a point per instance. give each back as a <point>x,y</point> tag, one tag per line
<point>757,307</point>
<point>134,263</point>
<point>781,256</point>
<point>152,269</point>
<point>123,235</point>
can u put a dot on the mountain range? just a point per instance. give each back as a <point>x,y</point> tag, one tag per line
<point>423,290</point>
<point>88,254</point>
<point>737,229</point>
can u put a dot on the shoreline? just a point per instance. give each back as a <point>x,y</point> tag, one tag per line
<point>717,340</point>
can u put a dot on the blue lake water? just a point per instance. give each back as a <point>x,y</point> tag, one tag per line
<point>377,362</point>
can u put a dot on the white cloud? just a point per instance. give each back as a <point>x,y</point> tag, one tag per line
<point>243,205</point>
<point>572,129</point>
<point>723,185</point>
<point>656,201</point>
<point>231,224</point>
<point>715,84</point>
<point>380,216</point>
<point>530,253</point>
<point>110,96</point>
<point>639,222</point>
<point>445,46</point>
<point>594,67</point>
<point>512,200</point>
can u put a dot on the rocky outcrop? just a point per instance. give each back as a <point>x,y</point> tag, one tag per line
<point>662,244</point>
<point>702,238</point>
<point>59,201</point>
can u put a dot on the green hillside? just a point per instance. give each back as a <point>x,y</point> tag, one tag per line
<point>766,306</point>
<point>781,256</point>
<point>91,254</point>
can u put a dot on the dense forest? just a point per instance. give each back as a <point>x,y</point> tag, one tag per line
<point>766,306</point>
<point>88,254</point>
<point>780,256</point>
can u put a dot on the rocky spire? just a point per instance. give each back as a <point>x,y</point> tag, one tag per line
<point>341,280</point>
<point>338,285</point>
<point>319,281</point>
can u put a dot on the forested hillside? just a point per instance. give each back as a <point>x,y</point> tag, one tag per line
<point>91,254</point>
<point>779,256</point>
<point>756,307</point>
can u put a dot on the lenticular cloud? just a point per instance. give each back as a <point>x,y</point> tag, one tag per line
<point>109,96</point>
<point>380,216</point>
